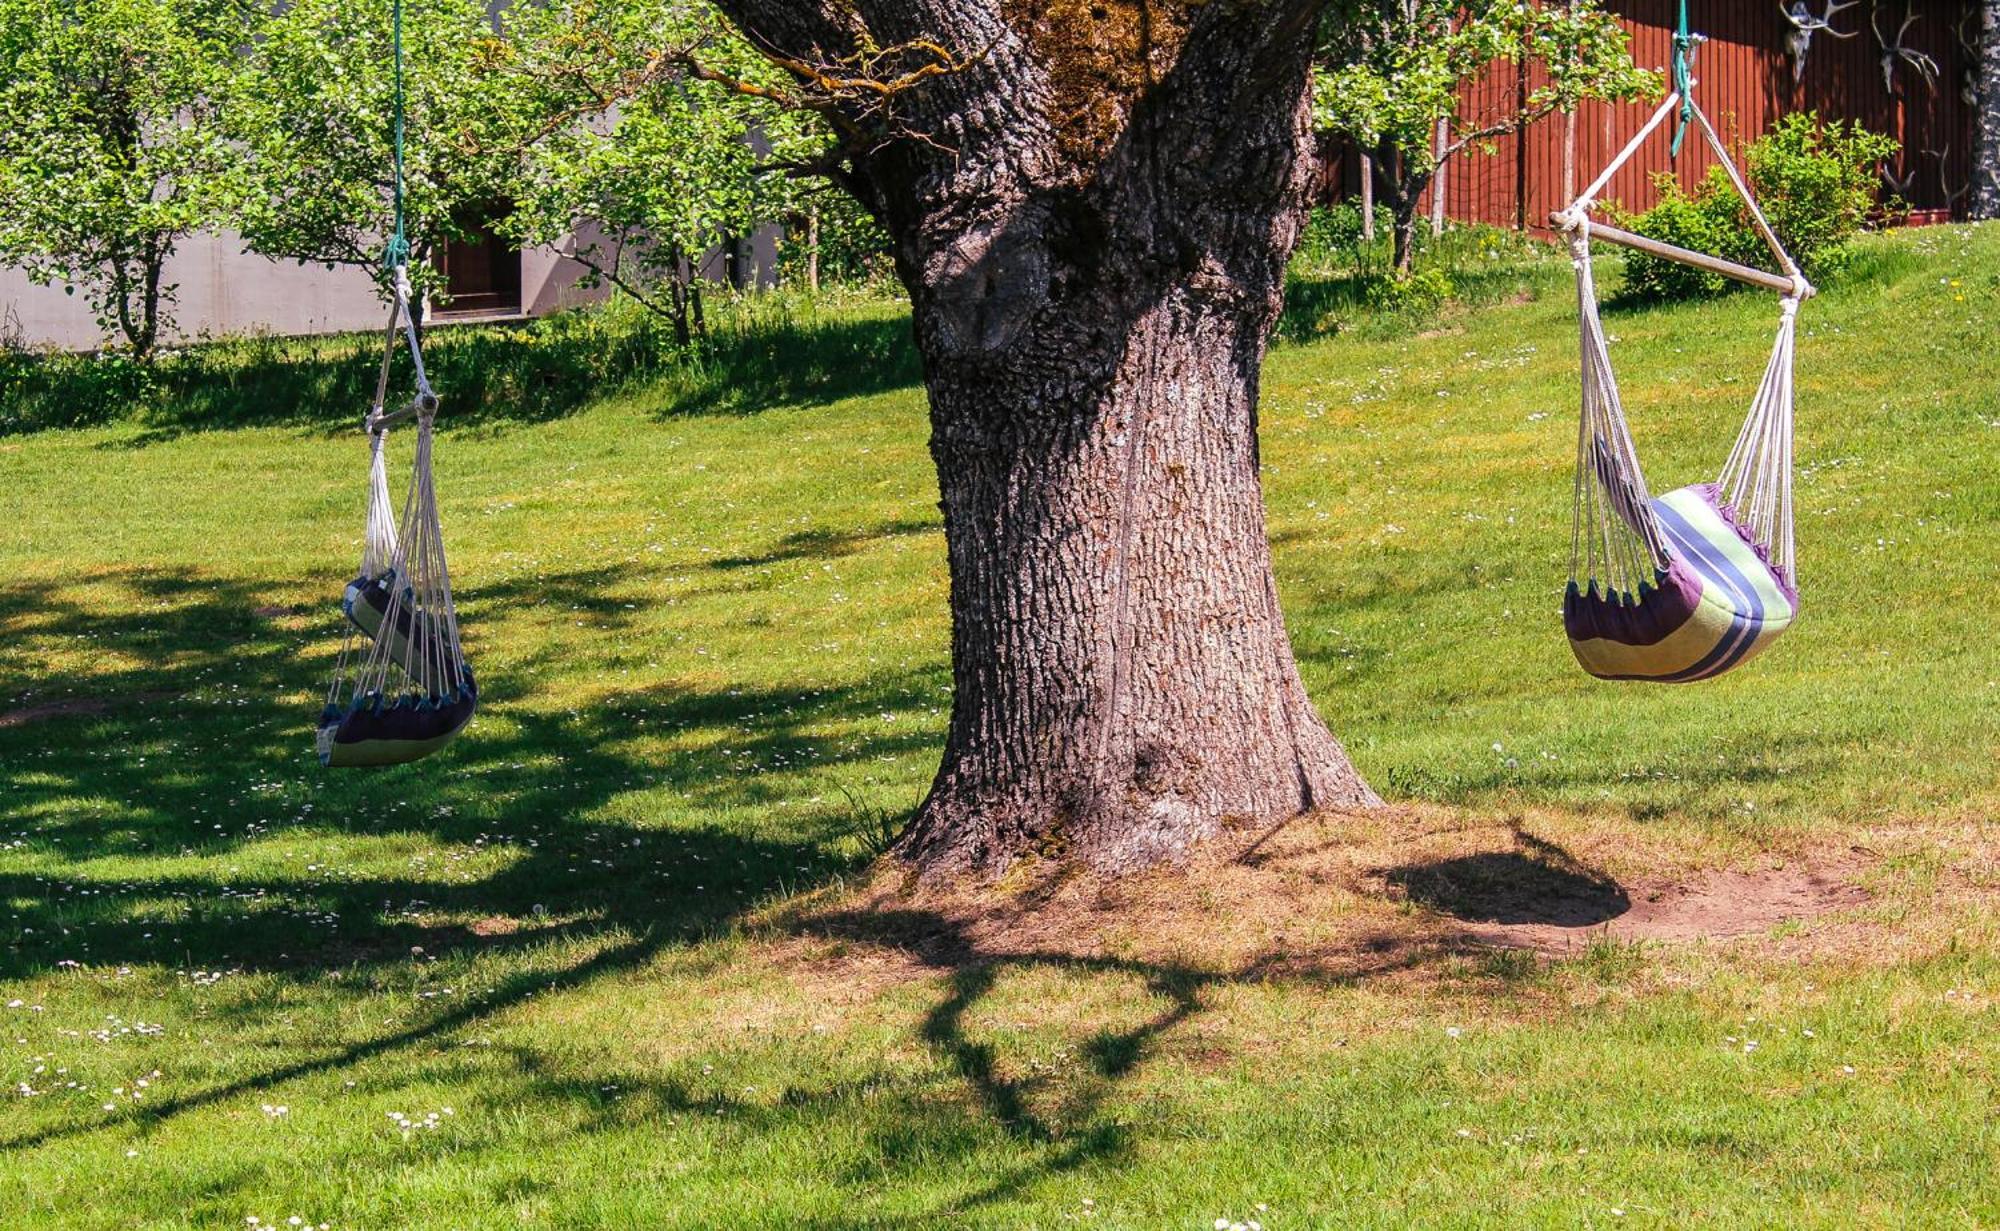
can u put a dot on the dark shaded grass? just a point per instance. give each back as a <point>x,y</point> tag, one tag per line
<point>773,350</point>
<point>761,351</point>
<point>172,766</point>
<point>764,351</point>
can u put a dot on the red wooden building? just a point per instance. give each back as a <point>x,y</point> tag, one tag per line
<point>1745,81</point>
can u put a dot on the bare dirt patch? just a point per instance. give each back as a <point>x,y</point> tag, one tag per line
<point>1715,905</point>
<point>72,707</point>
<point>1336,898</point>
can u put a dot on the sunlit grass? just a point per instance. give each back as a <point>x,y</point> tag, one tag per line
<point>710,626</point>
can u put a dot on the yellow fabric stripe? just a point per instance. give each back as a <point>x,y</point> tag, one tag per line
<point>1679,650</point>
<point>385,751</point>
<point>1724,541</point>
<point>1714,616</point>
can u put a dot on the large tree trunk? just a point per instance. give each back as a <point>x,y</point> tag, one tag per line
<point>1095,261</point>
<point>1986,149</point>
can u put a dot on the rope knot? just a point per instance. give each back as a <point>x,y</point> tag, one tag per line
<point>1577,229</point>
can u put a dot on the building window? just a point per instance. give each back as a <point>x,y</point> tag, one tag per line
<point>482,272</point>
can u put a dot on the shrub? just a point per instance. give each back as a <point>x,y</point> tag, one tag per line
<point>1705,222</point>
<point>41,390</point>
<point>773,348</point>
<point>1816,183</point>
<point>1331,244</point>
<point>1423,291</point>
<point>1332,235</point>
<point>854,250</point>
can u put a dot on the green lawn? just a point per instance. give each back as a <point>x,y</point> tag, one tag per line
<point>602,964</point>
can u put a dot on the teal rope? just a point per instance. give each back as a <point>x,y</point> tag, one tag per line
<point>1684,45</point>
<point>398,251</point>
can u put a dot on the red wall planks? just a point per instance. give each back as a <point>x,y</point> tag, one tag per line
<point>1744,83</point>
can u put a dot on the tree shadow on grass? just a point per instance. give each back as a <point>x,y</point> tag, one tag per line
<point>820,543</point>
<point>487,374</point>
<point>778,358</point>
<point>180,742</point>
<point>1072,1127</point>
<point>196,755</point>
<point>176,788</point>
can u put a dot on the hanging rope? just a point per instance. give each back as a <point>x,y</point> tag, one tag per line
<point>1756,481</point>
<point>1616,544</point>
<point>1683,69</point>
<point>397,253</point>
<point>409,691</point>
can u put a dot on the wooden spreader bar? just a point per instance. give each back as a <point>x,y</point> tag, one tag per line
<point>1700,260</point>
<point>389,418</point>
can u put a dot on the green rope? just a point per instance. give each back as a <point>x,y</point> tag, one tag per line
<point>1684,45</point>
<point>398,251</point>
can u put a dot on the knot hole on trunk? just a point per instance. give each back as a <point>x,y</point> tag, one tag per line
<point>1155,767</point>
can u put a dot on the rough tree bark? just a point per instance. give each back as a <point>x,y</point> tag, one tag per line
<point>1092,218</point>
<point>1986,87</point>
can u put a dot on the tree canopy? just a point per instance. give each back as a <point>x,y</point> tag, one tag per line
<point>111,152</point>
<point>312,111</point>
<point>654,137</point>
<point>1389,73</point>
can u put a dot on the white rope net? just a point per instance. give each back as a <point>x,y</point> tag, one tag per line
<point>415,651</point>
<point>1756,481</point>
<point>1615,539</point>
<point>1616,542</point>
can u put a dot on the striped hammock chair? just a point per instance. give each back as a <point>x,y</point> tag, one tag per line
<point>401,687</point>
<point>1691,584</point>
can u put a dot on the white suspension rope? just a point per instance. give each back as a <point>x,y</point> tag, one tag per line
<point>403,297</point>
<point>1587,199</point>
<point>1756,480</point>
<point>416,647</point>
<point>1615,536</point>
<point>379,546</point>
<point>1769,236</point>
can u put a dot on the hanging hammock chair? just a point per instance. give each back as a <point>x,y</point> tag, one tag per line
<point>1691,584</point>
<point>401,688</point>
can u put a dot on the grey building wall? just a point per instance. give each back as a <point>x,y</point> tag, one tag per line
<point>225,291</point>
<point>748,262</point>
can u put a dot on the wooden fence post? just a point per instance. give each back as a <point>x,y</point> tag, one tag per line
<point>1569,157</point>
<point>1437,180</point>
<point>1367,198</point>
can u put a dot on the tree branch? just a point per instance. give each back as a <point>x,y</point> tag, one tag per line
<point>610,274</point>
<point>1499,128</point>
